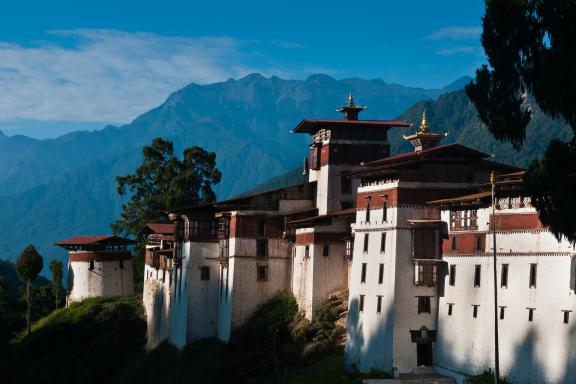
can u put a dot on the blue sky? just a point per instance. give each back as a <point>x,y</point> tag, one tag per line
<point>108,61</point>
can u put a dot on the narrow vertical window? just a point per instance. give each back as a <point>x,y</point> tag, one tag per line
<point>363,275</point>
<point>530,314</point>
<point>475,311</point>
<point>454,243</point>
<point>325,250</point>
<point>349,246</point>
<point>477,271</point>
<point>452,278</point>
<point>424,304</point>
<point>365,243</point>
<point>307,251</point>
<point>381,274</point>
<point>361,303</point>
<point>121,264</point>
<point>367,210</point>
<point>383,242</point>
<point>533,269</point>
<point>262,248</point>
<point>566,317</point>
<point>378,304</point>
<point>91,267</point>
<point>261,227</point>
<point>205,273</point>
<point>262,273</point>
<point>504,276</point>
<point>385,208</point>
<point>502,309</point>
<point>478,243</point>
<point>450,309</point>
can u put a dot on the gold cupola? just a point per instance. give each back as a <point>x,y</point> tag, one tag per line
<point>424,139</point>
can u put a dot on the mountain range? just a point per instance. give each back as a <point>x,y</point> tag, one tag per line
<point>56,188</point>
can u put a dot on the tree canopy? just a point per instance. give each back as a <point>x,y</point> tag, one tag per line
<point>28,265</point>
<point>56,268</point>
<point>163,183</point>
<point>531,51</point>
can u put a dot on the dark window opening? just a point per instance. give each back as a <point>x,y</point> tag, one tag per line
<point>91,267</point>
<point>478,243</point>
<point>383,242</point>
<point>205,273</point>
<point>475,311</point>
<point>504,276</point>
<point>307,251</point>
<point>365,243</point>
<point>345,185</point>
<point>450,309</point>
<point>454,243</point>
<point>381,274</point>
<point>385,208</point>
<point>424,244</point>
<point>361,303</point>
<point>121,264</point>
<point>502,309</point>
<point>530,314</point>
<point>477,271</point>
<point>533,269</point>
<point>262,273</point>
<point>363,275</point>
<point>325,250</point>
<point>262,248</point>
<point>379,304</point>
<point>452,279</point>
<point>261,227</point>
<point>566,316</point>
<point>424,304</point>
<point>368,211</point>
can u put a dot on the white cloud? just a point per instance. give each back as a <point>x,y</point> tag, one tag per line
<point>456,33</point>
<point>468,50</point>
<point>109,75</point>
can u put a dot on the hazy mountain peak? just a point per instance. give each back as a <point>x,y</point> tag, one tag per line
<point>457,84</point>
<point>320,78</point>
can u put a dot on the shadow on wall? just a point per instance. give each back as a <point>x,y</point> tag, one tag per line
<point>368,349</point>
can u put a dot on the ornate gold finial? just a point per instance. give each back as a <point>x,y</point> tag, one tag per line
<point>350,100</point>
<point>424,124</point>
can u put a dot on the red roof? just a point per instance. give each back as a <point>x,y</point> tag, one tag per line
<point>87,240</point>
<point>161,228</point>
<point>312,125</point>
<point>455,149</point>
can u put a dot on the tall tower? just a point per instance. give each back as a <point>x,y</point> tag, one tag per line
<point>340,146</point>
<point>98,266</point>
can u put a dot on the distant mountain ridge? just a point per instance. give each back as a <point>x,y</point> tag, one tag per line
<point>55,188</point>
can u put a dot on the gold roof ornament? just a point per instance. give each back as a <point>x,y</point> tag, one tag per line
<point>351,110</point>
<point>424,139</point>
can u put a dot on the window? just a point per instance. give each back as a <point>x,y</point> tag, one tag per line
<point>502,309</point>
<point>533,269</point>
<point>307,251</point>
<point>367,209</point>
<point>466,219</point>
<point>381,274</point>
<point>383,242</point>
<point>91,267</point>
<point>385,208</point>
<point>566,316</point>
<point>504,276</point>
<point>325,250</point>
<point>478,243</point>
<point>450,305</point>
<point>194,228</point>
<point>261,227</point>
<point>349,246</point>
<point>378,304</point>
<point>315,157</point>
<point>204,273</point>
<point>477,271</point>
<point>530,314</point>
<point>261,273</point>
<point>365,243</point>
<point>361,303</point>
<point>475,311</point>
<point>345,185</point>
<point>453,247</point>
<point>452,279</point>
<point>423,243</point>
<point>121,264</point>
<point>425,274</point>
<point>363,276</point>
<point>262,248</point>
<point>424,304</point>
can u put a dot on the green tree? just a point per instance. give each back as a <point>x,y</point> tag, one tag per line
<point>56,268</point>
<point>161,184</point>
<point>531,50</point>
<point>28,266</point>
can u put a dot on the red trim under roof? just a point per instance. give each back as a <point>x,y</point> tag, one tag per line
<point>161,228</point>
<point>313,125</point>
<point>88,240</point>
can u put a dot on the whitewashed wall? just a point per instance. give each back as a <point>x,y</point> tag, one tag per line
<point>105,280</point>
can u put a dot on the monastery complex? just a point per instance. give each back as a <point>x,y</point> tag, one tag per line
<point>410,236</point>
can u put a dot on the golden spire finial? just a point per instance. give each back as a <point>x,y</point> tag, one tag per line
<point>350,100</point>
<point>424,124</point>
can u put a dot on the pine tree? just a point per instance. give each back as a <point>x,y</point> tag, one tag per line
<point>28,266</point>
